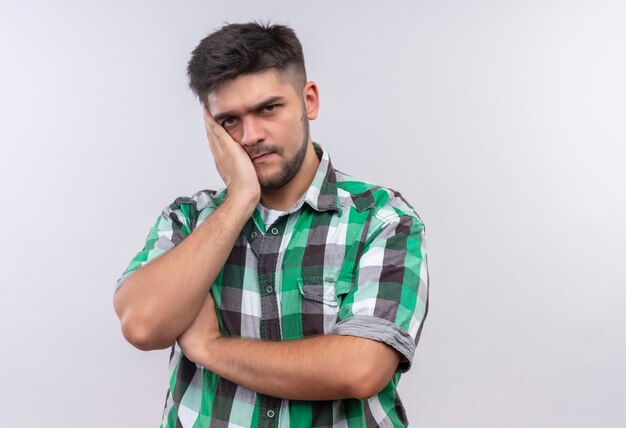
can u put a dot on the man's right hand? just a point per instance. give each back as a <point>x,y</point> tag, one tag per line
<point>232,161</point>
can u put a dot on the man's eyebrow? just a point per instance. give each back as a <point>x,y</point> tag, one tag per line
<point>258,106</point>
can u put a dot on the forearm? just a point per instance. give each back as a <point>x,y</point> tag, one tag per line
<point>319,368</point>
<point>162,298</point>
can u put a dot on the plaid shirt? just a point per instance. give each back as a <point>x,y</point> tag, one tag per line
<point>349,258</point>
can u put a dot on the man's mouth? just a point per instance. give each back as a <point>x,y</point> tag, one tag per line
<point>261,157</point>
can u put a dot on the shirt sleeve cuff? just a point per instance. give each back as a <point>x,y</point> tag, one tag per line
<point>381,330</point>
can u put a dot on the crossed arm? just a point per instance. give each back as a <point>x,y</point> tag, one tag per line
<point>157,307</point>
<point>318,368</point>
<point>154,309</point>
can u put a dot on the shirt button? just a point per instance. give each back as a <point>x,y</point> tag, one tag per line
<point>269,288</point>
<point>274,231</point>
<point>270,413</point>
<point>253,235</point>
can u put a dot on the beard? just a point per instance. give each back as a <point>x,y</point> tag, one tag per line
<point>290,167</point>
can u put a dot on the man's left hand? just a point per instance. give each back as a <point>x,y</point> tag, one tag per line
<point>197,339</point>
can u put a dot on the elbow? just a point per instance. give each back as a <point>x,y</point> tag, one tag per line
<point>139,328</point>
<point>367,389</point>
<point>368,381</point>
<point>143,335</point>
<point>141,331</point>
<point>137,335</point>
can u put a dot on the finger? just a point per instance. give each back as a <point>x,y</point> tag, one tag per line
<point>217,129</point>
<point>209,126</point>
<point>220,133</point>
<point>209,122</point>
<point>208,116</point>
<point>215,150</point>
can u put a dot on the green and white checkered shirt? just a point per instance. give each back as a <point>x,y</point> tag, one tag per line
<point>349,258</point>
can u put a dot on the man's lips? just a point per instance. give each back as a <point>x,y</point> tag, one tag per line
<point>261,156</point>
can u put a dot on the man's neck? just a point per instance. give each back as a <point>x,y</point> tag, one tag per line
<point>284,198</point>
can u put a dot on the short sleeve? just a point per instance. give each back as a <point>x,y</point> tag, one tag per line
<point>170,229</point>
<point>389,300</point>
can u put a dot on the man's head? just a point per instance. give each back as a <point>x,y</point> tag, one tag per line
<point>252,79</point>
<point>237,49</point>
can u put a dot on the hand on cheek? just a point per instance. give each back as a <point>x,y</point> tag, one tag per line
<point>231,160</point>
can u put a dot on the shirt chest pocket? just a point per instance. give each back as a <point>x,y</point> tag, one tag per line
<point>321,300</point>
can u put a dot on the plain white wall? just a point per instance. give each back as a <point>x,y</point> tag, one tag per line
<point>502,122</point>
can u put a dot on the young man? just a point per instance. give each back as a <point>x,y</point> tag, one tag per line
<point>296,295</point>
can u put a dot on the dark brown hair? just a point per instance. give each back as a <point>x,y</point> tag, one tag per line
<point>237,49</point>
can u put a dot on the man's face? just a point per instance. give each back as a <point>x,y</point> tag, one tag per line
<point>268,116</point>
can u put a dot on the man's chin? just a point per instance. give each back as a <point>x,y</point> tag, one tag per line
<point>272,183</point>
<point>272,186</point>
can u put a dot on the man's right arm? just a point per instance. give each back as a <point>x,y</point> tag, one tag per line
<point>160,300</point>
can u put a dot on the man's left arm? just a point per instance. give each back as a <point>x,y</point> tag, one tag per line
<point>379,323</point>
<point>312,368</point>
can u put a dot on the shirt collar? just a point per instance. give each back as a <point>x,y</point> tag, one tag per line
<point>322,193</point>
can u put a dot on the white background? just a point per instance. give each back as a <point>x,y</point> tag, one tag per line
<point>502,122</point>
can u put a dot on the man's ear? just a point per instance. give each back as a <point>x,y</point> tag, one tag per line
<point>311,97</point>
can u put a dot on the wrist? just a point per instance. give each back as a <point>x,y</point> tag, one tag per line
<point>243,203</point>
<point>209,354</point>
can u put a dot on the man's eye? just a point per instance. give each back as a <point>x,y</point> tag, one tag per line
<point>230,121</point>
<point>270,107</point>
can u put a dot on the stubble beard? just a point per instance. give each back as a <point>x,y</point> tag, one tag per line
<point>291,167</point>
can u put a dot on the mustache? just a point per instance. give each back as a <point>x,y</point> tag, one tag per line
<point>267,148</point>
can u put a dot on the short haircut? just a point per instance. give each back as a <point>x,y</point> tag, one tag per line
<point>237,49</point>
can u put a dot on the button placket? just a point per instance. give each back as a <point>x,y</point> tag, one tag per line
<point>269,247</point>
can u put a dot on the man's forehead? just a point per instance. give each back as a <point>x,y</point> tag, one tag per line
<point>248,90</point>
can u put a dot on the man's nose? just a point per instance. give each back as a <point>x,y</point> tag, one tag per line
<point>252,132</point>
